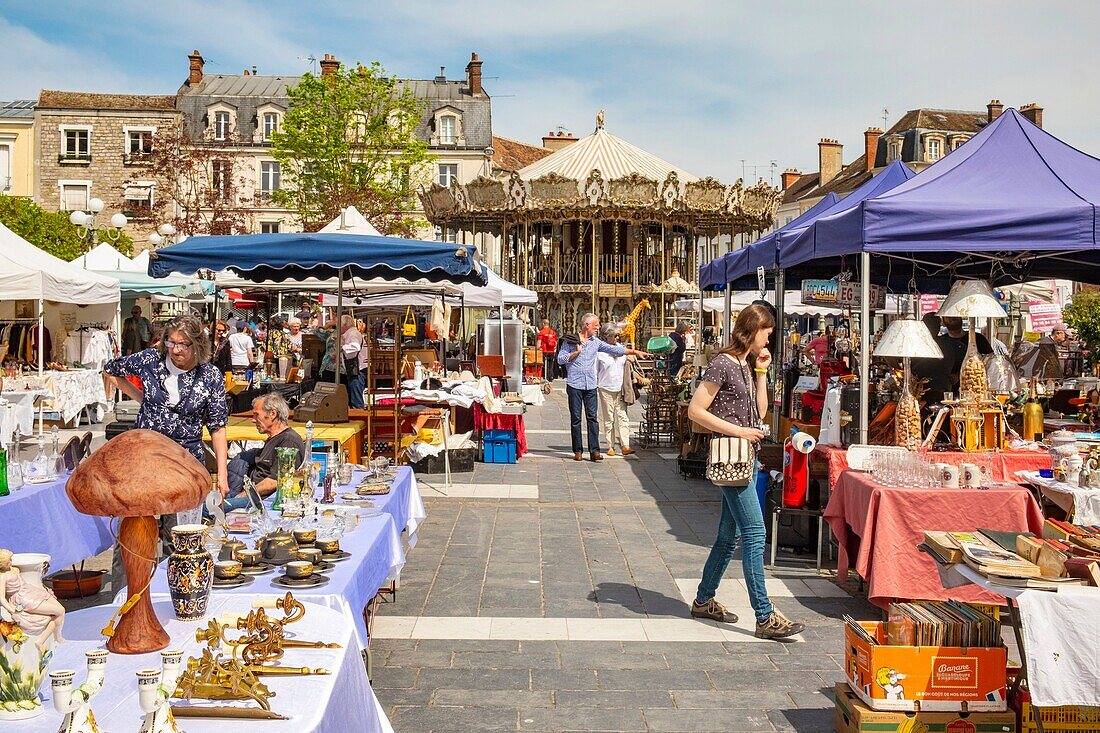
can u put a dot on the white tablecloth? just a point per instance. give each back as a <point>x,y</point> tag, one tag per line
<point>1084,504</point>
<point>72,390</point>
<point>17,413</point>
<point>1062,645</point>
<point>338,702</point>
<point>532,394</point>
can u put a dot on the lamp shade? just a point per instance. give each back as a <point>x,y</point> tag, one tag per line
<point>971,299</point>
<point>906,337</point>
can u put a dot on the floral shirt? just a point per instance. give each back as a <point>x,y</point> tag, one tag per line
<point>279,343</point>
<point>202,398</point>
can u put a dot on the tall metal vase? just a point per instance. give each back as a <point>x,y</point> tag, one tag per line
<point>190,571</point>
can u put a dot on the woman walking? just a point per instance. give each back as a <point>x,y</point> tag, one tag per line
<point>732,400</point>
<point>612,374</point>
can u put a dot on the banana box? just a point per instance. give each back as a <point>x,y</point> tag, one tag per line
<point>911,678</point>
<point>852,716</point>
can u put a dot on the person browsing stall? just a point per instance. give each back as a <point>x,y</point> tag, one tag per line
<point>242,352</point>
<point>271,416</point>
<point>732,399</point>
<point>954,344</point>
<point>581,383</point>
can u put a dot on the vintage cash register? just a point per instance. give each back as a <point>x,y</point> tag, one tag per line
<point>327,402</point>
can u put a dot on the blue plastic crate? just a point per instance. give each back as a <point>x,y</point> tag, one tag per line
<point>498,435</point>
<point>499,451</point>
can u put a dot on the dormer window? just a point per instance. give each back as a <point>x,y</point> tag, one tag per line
<point>894,150</point>
<point>271,124</point>
<point>447,130</point>
<point>221,125</point>
<point>935,150</point>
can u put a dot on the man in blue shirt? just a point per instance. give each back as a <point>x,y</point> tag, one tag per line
<point>580,383</point>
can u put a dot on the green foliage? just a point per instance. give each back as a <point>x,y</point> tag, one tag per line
<point>349,140</point>
<point>50,231</point>
<point>1083,314</point>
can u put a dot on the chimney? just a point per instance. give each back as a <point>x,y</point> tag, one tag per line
<point>830,153</point>
<point>473,76</point>
<point>557,140</point>
<point>789,177</point>
<point>329,66</point>
<point>870,145</point>
<point>441,78</point>
<point>993,110</point>
<point>194,78</point>
<point>1034,113</point>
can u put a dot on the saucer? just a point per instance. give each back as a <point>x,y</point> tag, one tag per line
<point>323,566</point>
<point>239,581</point>
<point>260,568</point>
<point>336,557</point>
<point>312,581</point>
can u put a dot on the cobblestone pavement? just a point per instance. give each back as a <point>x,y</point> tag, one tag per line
<point>568,612</point>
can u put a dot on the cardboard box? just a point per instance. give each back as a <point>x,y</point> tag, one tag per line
<point>909,678</point>
<point>852,716</point>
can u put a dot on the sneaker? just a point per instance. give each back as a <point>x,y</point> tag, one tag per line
<point>610,451</point>
<point>713,610</point>
<point>628,451</point>
<point>777,626</point>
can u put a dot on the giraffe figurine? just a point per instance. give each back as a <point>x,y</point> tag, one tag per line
<point>627,335</point>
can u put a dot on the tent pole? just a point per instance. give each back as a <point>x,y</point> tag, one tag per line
<point>777,367</point>
<point>864,345</point>
<point>41,370</point>
<point>338,353</point>
<point>727,297</point>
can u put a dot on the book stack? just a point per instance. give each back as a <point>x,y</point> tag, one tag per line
<point>941,623</point>
<point>1065,555</point>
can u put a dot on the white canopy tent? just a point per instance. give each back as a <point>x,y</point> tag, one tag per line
<point>351,221</point>
<point>29,273</point>
<point>106,257</point>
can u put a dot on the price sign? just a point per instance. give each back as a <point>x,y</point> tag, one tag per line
<point>760,284</point>
<point>849,293</point>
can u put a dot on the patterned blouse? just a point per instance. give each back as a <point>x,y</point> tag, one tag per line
<point>202,398</point>
<point>736,398</point>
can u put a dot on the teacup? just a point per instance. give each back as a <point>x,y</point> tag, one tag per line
<point>299,569</point>
<point>305,536</point>
<point>328,547</point>
<point>310,555</point>
<point>248,558</point>
<point>227,569</point>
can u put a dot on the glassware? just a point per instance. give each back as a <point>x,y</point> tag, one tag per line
<point>40,467</point>
<point>4,491</point>
<point>14,474</point>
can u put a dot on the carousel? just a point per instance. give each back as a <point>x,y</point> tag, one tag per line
<point>604,226</point>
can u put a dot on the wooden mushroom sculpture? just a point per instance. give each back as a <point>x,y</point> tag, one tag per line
<point>136,476</point>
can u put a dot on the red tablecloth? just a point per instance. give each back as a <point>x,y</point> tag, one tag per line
<point>881,527</point>
<point>1005,463</point>
<point>495,421</point>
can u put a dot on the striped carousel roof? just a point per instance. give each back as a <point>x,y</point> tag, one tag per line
<point>611,155</point>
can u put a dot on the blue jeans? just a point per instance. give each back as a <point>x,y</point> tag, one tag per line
<point>743,520</point>
<point>356,385</point>
<point>590,402</point>
<point>237,469</point>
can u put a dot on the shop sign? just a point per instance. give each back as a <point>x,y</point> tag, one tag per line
<point>1044,316</point>
<point>841,294</point>
<point>930,304</point>
<point>848,293</point>
<point>820,292</point>
<point>606,290</point>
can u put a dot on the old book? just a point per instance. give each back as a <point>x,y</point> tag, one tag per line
<point>1052,559</point>
<point>1028,546</point>
<point>988,559</point>
<point>945,547</point>
<point>1005,540</point>
<point>1085,569</point>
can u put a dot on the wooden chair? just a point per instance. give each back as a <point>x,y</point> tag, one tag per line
<point>85,446</point>
<point>70,454</point>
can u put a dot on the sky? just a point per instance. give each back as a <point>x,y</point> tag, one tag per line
<point>720,88</point>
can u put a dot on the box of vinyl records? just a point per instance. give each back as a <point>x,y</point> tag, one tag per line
<point>852,716</point>
<point>929,678</point>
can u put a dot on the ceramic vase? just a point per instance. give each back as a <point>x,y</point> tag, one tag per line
<point>190,571</point>
<point>155,688</point>
<point>22,666</point>
<point>75,702</point>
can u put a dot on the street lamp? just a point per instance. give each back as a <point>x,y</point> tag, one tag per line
<point>164,233</point>
<point>86,223</point>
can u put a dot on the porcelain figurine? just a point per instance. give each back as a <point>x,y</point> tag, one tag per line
<point>75,703</point>
<point>30,622</point>
<point>190,571</point>
<point>155,692</point>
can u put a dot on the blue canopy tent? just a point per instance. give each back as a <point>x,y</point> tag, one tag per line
<point>1013,203</point>
<point>322,255</point>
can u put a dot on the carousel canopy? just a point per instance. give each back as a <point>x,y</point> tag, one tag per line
<point>603,176</point>
<point>282,257</point>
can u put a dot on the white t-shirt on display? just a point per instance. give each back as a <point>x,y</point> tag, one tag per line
<point>239,344</point>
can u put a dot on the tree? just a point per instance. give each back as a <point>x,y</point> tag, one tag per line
<point>1083,314</point>
<point>50,231</point>
<point>348,139</point>
<point>206,192</point>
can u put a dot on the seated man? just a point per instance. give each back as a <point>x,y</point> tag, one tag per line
<point>270,415</point>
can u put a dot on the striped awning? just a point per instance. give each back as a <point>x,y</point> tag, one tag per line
<point>611,155</point>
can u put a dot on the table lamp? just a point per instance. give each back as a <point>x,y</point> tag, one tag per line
<point>906,338</point>
<point>136,476</point>
<point>972,299</point>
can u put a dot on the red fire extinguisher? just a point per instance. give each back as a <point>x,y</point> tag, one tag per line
<point>796,468</point>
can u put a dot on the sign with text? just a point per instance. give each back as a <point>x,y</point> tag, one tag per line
<point>849,293</point>
<point>1044,316</point>
<point>820,292</point>
<point>841,294</point>
<point>930,304</point>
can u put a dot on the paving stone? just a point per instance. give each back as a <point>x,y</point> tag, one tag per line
<point>633,699</point>
<point>394,677</point>
<point>507,660</point>
<point>572,658</point>
<point>725,720</point>
<point>453,719</point>
<point>707,700</point>
<point>494,698</point>
<point>615,679</point>
<point>581,719</point>
<point>485,679</point>
<point>803,719</point>
<point>801,661</point>
<point>564,679</point>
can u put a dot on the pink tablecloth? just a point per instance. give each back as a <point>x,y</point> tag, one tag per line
<point>881,527</point>
<point>1005,463</point>
<point>495,421</point>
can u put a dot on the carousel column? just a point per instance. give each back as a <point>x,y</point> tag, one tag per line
<point>596,246</point>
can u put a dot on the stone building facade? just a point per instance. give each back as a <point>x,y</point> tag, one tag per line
<point>17,147</point>
<point>95,146</point>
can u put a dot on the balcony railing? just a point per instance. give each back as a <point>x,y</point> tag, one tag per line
<point>543,272</point>
<point>75,158</point>
<point>650,270</point>
<point>576,269</point>
<point>616,268</point>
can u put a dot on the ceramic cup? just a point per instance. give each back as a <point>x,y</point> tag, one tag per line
<point>248,558</point>
<point>309,554</point>
<point>305,536</point>
<point>227,569</point>
<point>299,569</point>
<point>971,475</point>
<point>329,547</point>
<point>949,475</point>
